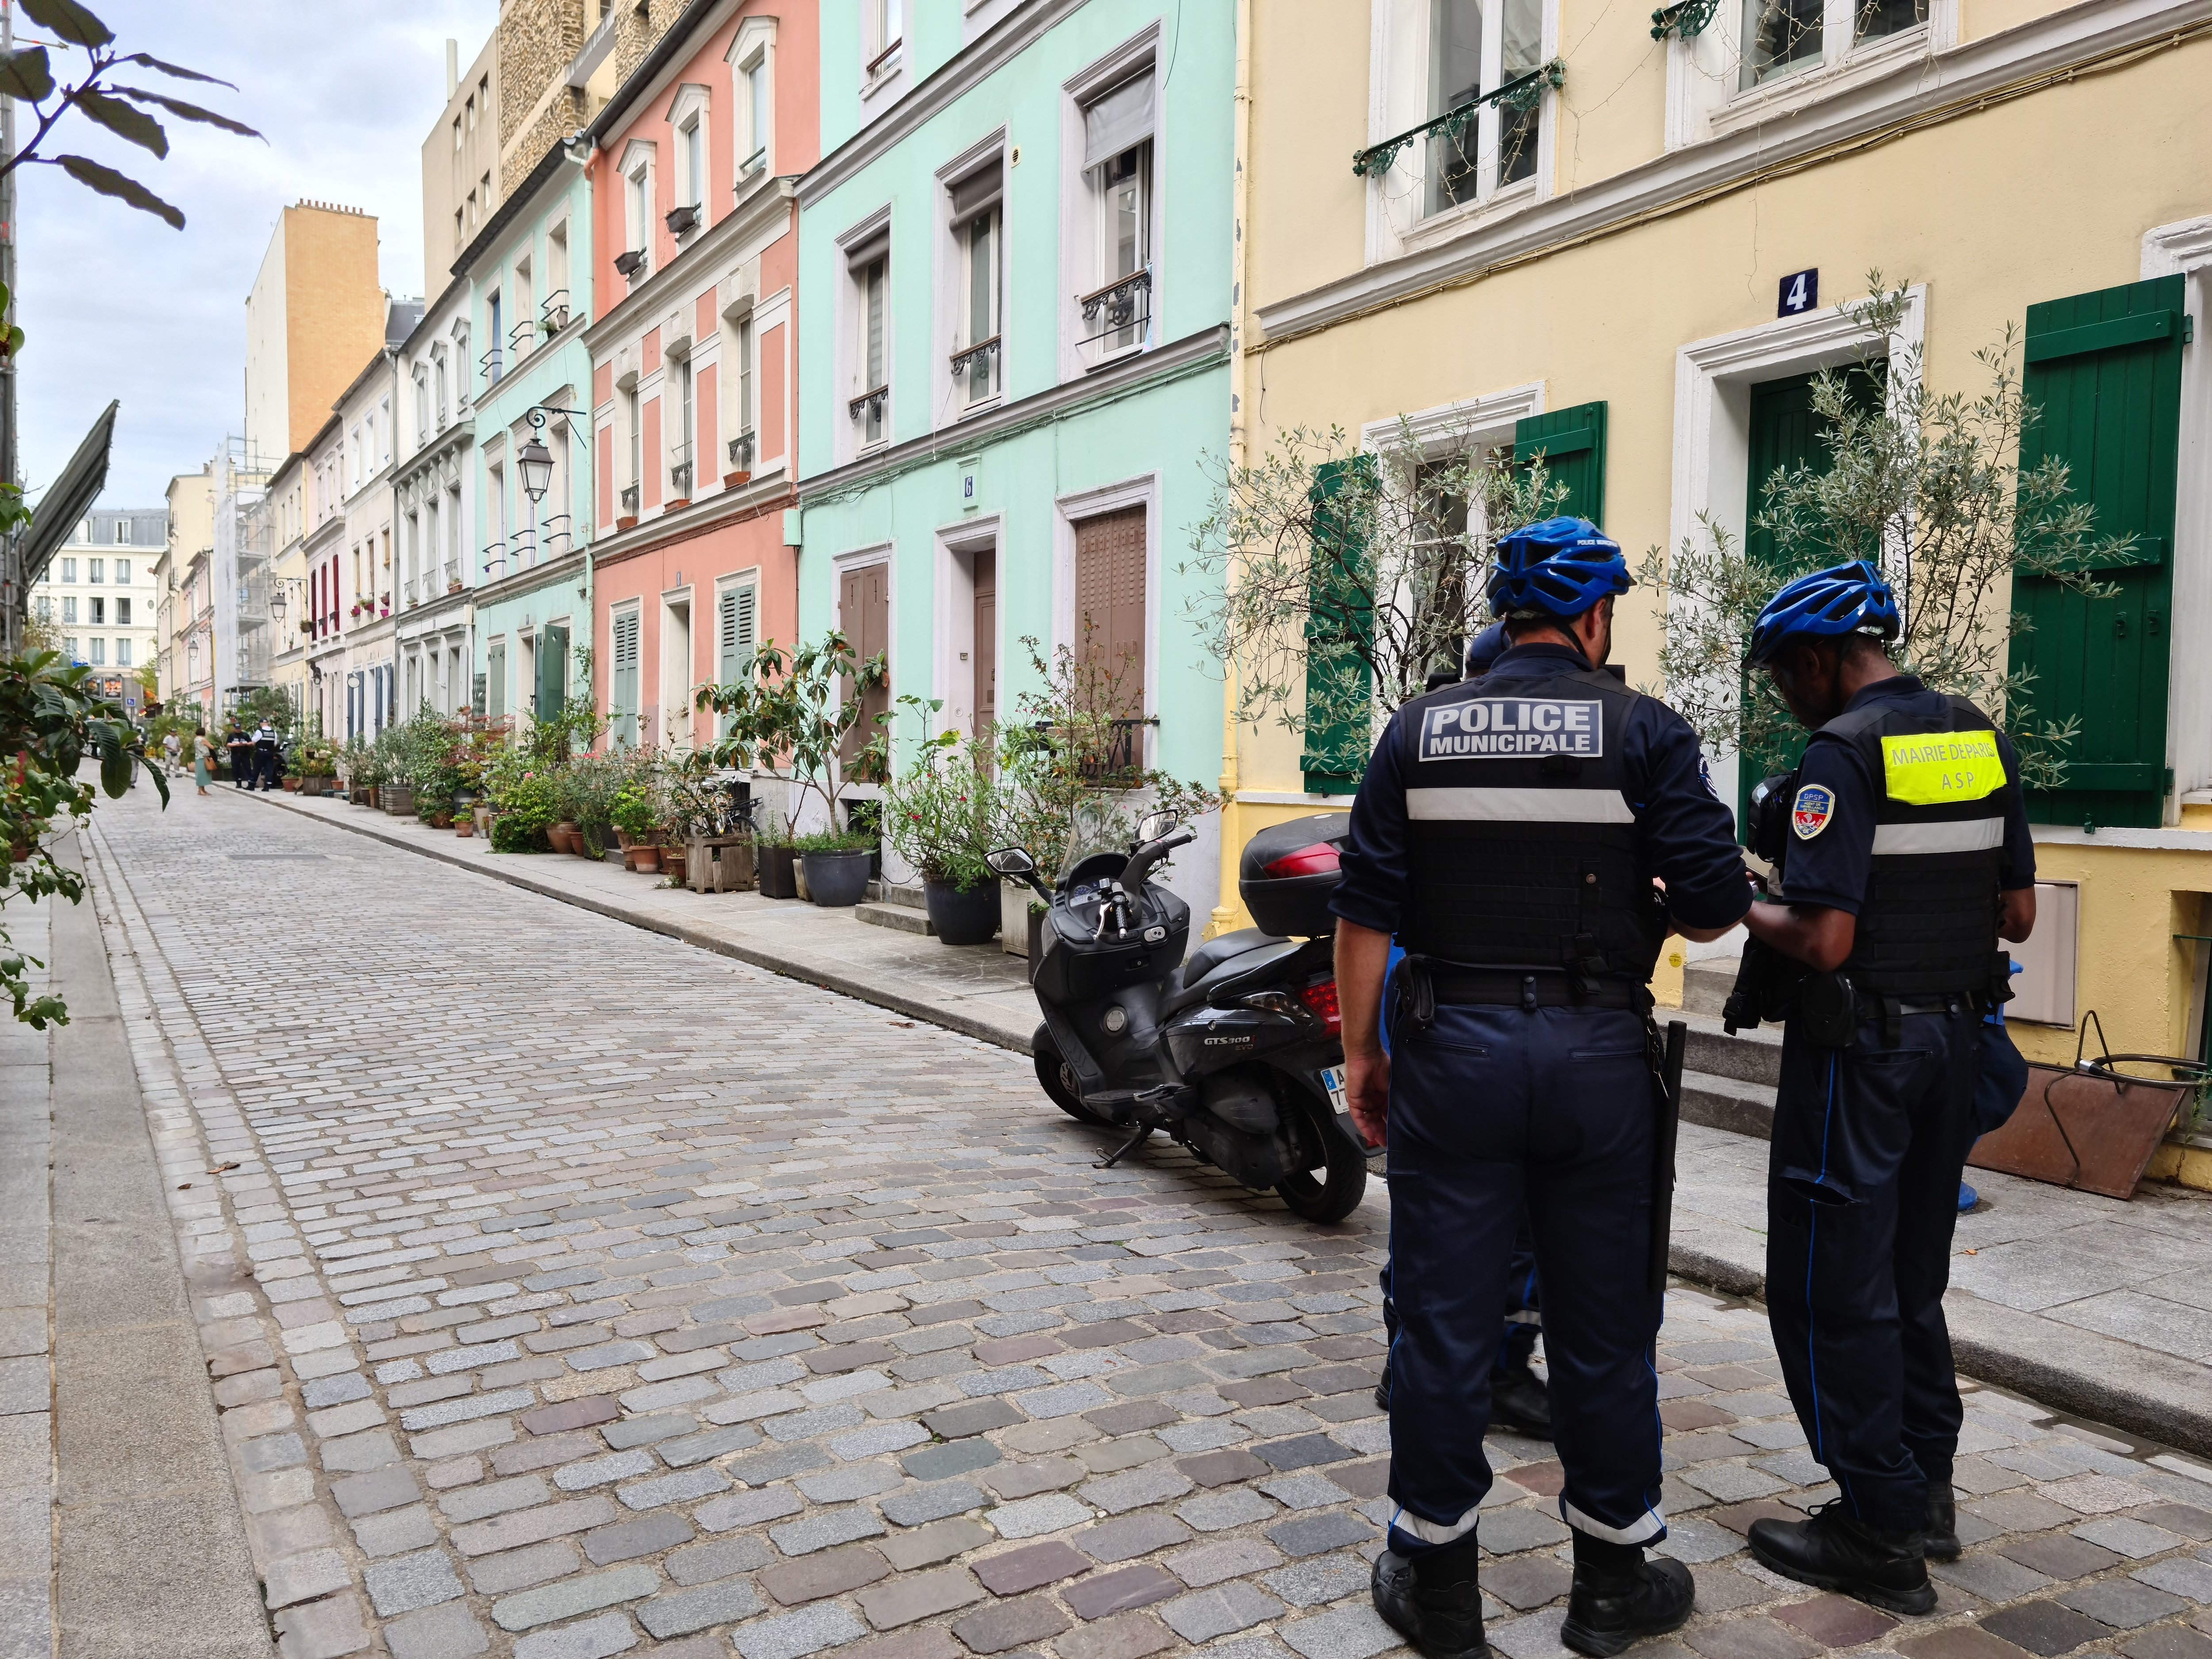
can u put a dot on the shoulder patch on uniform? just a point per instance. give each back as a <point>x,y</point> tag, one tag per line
<point>1492,728</point>
<point>1810,812</point>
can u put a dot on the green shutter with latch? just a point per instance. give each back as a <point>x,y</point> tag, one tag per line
<point>621,689</point>
<point>1573,443</point>
<point>736,623</point>
<point>1339,630</point>
<point>552,673</point>
<point>2104,371</point>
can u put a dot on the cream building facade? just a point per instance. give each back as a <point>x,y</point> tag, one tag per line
<point>1632,252</point>
<point>190,536</point>
<point>101,593</point>
<point>460,163</point>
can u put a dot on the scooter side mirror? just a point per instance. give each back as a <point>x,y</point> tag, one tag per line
<point>1010,862</point>
<point>1153,825</point>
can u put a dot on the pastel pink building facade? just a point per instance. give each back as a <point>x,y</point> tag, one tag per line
<point>694,374</point>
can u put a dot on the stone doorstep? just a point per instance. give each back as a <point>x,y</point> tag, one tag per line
<point>894,914</point>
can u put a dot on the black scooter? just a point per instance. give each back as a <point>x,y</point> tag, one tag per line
<point>1235,1052</point>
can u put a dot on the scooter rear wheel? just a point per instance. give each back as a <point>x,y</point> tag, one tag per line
<point>1057,1079</point>
<point>1334,1191</point>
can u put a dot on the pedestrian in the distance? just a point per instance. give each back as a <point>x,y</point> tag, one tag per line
<point>238,748</point>
<point>202,760</point>
<point>172,750</point>
<point>265,757</point>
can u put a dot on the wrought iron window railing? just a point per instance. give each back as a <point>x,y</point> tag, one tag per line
<point>1122,312</point>
<point>1686,19</point>
<point>491,364</point>
<point>1521,93</point>
<point>628,498</point>
<point>982,351</point>
<point>493,561</point>
<point>680,471</point>
<point>1105,750</point>
<point>870,404</point>
<point>553,536</point>
<point>741,450</point>
<point>553,315</point>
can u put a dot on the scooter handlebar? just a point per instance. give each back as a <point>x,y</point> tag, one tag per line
<point>1142,861</point>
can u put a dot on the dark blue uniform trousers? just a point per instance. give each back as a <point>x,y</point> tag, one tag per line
<point>1495,1112</point>
<point>1863,1192</point>
<point>1523,1304</point>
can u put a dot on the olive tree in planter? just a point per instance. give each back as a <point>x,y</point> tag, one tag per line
<point>804,707</point>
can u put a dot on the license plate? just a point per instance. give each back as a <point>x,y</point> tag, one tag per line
<point>1332,1079</point>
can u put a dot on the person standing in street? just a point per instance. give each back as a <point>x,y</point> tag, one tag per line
<point>202,760</point>
<point>1510,831</point>
<point>172,749</point>
<point>1907,858</point>
<point>238,749</point>
<point>265,757</point>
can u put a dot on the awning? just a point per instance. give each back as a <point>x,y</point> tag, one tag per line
<point>69,498</point>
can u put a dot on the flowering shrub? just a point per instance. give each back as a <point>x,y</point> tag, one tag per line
<point>947,811</point>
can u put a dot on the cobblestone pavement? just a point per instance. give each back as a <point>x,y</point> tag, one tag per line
<point>568,1292</point>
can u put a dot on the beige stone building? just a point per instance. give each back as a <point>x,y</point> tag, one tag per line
<point>314,315</point>
<point>461,163</point>
<point>191,498</point>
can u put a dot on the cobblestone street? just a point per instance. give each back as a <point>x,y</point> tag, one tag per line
<point>567,1291</point>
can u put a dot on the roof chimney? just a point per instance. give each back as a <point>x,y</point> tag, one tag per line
<point>453,69</point>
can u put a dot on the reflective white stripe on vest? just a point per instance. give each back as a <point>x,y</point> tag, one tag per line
<point>1518,806</point>
<point>1966,836</point>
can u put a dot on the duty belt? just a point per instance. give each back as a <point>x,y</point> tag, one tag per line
<point>1892,1011</point>
<point>1428,985</point>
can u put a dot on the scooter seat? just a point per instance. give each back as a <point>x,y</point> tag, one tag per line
<point>1216,960</point>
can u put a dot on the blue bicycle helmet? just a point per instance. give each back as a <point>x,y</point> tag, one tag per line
<point>1844,599</point>
<point>1559,566</point>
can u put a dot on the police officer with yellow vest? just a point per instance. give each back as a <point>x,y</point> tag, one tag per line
<point>1904,860</point>
<point>1509,831</point>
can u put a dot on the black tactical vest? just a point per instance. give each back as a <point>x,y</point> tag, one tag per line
<point>1522,850</point>
<point>1928,926</point>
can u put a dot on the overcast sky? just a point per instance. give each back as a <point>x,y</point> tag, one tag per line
<point>115,304</point>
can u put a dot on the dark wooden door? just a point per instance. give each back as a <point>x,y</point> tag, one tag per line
<point>864,611</point>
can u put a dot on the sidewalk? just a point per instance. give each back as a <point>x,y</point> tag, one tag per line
<point>2098,1307</point>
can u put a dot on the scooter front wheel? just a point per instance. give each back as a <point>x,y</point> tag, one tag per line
<point>1332,1191</point>
<point>1057,1079</point>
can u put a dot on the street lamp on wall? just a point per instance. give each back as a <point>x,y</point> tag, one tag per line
<point>535,462</point>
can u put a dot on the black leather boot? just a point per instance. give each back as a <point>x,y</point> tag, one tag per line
<point>1832,1550</point>
<point>1519,1401</point>
<point>1619,1596</point>
<point>1430,1598</point>
<point>1939,1535</point>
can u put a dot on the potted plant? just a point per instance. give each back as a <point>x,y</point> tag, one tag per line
<point>637,821</point>
<point>778,862</point>
<point>943,817</point>
<point>807,708</point>
<point>833,863</point>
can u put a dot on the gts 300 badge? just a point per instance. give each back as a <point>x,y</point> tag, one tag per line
<point>1493,728</point>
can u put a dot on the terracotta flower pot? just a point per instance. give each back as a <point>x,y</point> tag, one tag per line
<point>673,860</point>
<point>464,827</point>
<point>646,858</point>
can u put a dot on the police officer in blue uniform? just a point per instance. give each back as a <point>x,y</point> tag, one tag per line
<point>1518,1399</point>
<point>1509,830</point>
<point>1906,859</point>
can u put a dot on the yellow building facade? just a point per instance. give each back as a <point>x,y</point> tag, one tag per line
<point>1641,252</point>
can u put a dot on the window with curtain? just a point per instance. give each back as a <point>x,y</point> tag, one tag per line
<point>1118,165</point>
<point>1476,46</point>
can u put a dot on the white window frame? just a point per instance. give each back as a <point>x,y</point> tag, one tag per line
<point>559,266</point>
<point>1704,97</point>
<point>1082,210</point>
<point>949,392</point>
<point>858,248</point>
<point>679,422</point>
<point>1398,221</point>
<point>638,199</point>
<point>752,77</point>
<point>1713,379</point>
<point>2186,248</point>
<point>878,19</point>
<point>693,138</point>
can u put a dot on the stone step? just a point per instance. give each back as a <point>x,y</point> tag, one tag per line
<point>1726,1102</point>
<point>903,917</point>
<point>1753,1056</point>
<point>1706,984</point>
<point>887,892</point>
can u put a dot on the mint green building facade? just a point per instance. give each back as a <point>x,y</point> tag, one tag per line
<point>1016,264</point>
<point>530,274</point>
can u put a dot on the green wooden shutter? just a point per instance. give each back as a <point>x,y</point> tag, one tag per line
<point>552,673</point>
<point>1340,631</point>
<point>622,699</point>
<point>1573,443</point>
<point>496,682</point>
<point>2104,371</point>
<point>735,625</point>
